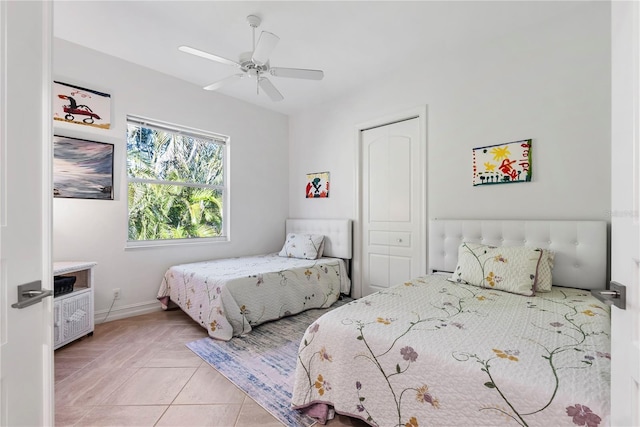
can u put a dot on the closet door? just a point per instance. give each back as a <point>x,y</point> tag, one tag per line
<point>392,199</point>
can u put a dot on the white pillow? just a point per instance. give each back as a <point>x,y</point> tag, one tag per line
<point>306,246</point>
<point>545,278</point>
<point>511,269</point>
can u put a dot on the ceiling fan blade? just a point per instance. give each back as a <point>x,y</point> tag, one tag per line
<point>297,73</point>
<point>270,89</point>
<point>207,55</point>
<point>225,81</point>
<point>265,46</point>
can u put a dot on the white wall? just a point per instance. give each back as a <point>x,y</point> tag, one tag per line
<point>96,230</point>
<point>550,83</point>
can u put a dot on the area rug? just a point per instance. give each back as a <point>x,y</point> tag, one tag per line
<point>263,363</point>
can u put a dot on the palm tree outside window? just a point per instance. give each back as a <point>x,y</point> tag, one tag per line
<point>176,183</point>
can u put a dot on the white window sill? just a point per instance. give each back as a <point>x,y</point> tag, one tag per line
<point>177,242</point>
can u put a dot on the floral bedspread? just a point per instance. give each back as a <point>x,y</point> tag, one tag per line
<point>432,352</point>
<point>229,296</point>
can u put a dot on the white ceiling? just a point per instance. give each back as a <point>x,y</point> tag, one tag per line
<point>355,43</point>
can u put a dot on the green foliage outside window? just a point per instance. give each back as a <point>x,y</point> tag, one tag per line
<point>176,185</point>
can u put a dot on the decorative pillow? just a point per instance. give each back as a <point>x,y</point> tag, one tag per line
<point>545,278</point>
<point>306,246</point>
<point>511,269</point>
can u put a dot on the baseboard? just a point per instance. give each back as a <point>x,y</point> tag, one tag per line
<point>122,312</point>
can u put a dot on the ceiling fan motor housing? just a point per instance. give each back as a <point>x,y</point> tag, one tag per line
<point>250,67</point>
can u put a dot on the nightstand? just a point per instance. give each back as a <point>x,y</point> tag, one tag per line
<point>73,311</point>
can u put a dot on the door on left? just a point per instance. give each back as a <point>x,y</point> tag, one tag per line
<point>26,355</point>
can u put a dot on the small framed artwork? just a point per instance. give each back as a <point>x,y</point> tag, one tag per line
<point>502,163</point>
<point>317,185</point>
<point>82,169</point>
<point>82,106</point>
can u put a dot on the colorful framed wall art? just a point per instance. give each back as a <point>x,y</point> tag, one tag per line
<point>317,185</point>
<point>82,169</point>
<point>502,163</point>
<point>75,104</point>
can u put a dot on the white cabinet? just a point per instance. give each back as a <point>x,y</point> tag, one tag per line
<point>73,312</point>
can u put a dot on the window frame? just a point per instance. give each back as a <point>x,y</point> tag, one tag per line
<point>224,188</point>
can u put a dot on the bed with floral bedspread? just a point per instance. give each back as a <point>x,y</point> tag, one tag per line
<point>433,352</point>
<point>230,296</point>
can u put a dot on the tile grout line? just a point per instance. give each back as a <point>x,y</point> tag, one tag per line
<point>244,400</point>
<point>177,394</point>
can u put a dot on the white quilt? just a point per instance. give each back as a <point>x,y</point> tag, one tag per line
<point>229,296</point>
<point>430,352</point>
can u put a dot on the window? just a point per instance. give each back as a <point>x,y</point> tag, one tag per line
<point>177,186</point>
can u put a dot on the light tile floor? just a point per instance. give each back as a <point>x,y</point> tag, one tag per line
<point>138,372</point>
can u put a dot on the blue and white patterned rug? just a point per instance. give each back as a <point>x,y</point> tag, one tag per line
<point>263,363</point>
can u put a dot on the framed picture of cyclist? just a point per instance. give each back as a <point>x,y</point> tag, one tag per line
<point>82,106</point>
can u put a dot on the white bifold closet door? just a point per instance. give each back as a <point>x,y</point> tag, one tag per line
<point>392,196</point>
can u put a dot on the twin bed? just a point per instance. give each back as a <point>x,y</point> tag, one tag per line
<point>485,340</point>
<point>229,297</point>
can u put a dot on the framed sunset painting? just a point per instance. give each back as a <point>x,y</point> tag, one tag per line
<point>82,169</point>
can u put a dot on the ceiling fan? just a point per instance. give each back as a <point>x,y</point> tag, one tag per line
<point>255,64</point>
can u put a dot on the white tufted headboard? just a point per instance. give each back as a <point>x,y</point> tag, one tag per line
<point>337,232</point>
<point>580,246</point>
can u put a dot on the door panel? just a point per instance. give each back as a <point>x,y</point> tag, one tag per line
<point>379,197</point>
<point>400,177</point>
<point>26,351</point>
<point>390,238</point>
<point>392,199</point>
<point>625,205</point>
<point>378,271</point>
<point>400,269</point>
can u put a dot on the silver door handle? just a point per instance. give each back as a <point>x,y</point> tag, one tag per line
<point>615,295</point>
<point>31,293</point>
